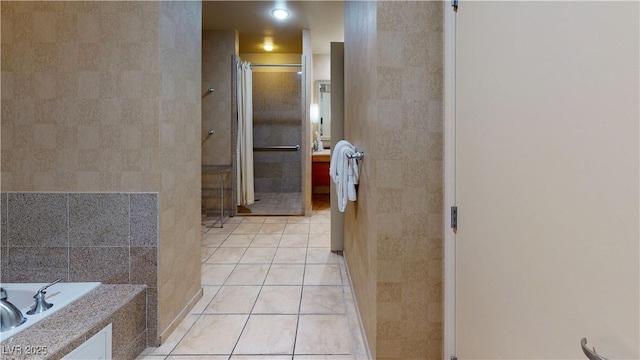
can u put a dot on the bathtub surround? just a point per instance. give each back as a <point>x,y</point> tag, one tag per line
<point>101,96</point>
<point>393,233</point>
<point>122,306</point>
<point>107,237</point>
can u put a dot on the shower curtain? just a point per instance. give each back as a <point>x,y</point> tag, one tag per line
<point>245,135</point>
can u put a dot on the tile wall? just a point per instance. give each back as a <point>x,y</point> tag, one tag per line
<point>218,49</point>
<point>393,88</point>
<point>80,91</point>
<point>101,96</point>
<point>107,237</point>
<point>277,121</point>
<point>180,24</point>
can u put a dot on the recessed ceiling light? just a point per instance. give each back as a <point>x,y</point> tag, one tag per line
<point>268,47</point>
<point>280,13</point>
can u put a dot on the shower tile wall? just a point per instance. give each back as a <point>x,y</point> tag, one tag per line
<point>277,121</point>
<point>218,49</point>
<point>107,237</point>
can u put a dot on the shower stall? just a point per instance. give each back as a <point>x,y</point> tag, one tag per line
<point>277,107</point>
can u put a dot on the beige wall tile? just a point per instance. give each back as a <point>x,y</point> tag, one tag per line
<point>92,72</point>
<point>394,92</point>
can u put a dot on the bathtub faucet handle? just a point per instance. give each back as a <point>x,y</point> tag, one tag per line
<point>41,304</point>
<point>42,290</point>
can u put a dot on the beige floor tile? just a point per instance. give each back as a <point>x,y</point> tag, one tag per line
<point>205,337</point>
<point>294,240</point>
<point>266,241</point>
<point>238,241</point>
<point>322,275</point>
<point>322,256</point>
<point>230,255</point>
<point>285,274</point>
<point>234,220</point>
<point>173,339</point>
<point>247,229</point>
<point>151,357</point>
<point>197,357</point>
<point>323,334</point>
<point>324,228</point>
<point>222,231</point>
<point>319,240</point>
<point>298,220</point>
<point>215,274</point>
<point>344,273</point>
<point>276,255</point>
<point>296,229</point>
<point>278,300</point>
<point>253,219</point>
<point>233,300</point>
<point>359,349</point>
<point>324,357</point>
<point>268,334</point>
<point>271,229</point>
<point>321,219</point>
<point>290,256</point>
<point>260,357</point>
<point>322,300</point>
<point>258,256</point>
<point>245,274</point>
<point>276,220</point>
<point>208,292</point>
<point>213,240</point>
<point>205,252</point>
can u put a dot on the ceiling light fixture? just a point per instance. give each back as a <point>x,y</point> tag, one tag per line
<point>280,14</point>
<point>268,47</point>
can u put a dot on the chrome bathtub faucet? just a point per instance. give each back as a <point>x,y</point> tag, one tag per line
<point>41,304</point>
<point>10,316</point>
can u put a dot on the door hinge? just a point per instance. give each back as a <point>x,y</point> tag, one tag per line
<point>454,217</point>
<point>454,5</point>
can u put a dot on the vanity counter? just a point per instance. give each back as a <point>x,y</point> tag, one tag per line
<point>321,156</point>
<point>320,180</point>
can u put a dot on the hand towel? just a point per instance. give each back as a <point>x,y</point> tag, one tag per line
<point>344,173</point>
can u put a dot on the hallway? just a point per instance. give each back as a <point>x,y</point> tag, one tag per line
<point>272,290</point>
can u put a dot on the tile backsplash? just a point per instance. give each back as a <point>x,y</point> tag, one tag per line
<point>107,237</point>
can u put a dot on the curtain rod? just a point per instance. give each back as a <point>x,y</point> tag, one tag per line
<point>284,65</point>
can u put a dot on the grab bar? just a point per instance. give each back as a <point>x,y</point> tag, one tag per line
<point>278,148</point>
<point>592,355</point>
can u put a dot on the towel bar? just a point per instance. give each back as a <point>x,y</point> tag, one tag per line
<point>357,155</point>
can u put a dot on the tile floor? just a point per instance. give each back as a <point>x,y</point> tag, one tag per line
<point>272,290</point>
<point>276,203</point>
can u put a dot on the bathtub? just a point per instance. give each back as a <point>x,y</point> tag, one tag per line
<point>60,295</point>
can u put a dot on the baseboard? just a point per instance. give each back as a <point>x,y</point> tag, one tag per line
<point>367,348</point>
<point>181,315</point>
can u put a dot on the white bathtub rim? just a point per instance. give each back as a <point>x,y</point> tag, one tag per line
<point>60,295</point>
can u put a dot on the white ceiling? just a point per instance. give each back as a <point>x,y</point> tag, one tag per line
<point>254,22</point>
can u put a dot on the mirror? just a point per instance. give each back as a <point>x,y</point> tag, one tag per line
<point>324,109</point>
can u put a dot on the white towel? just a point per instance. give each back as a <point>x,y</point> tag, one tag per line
<point>344,172</point>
